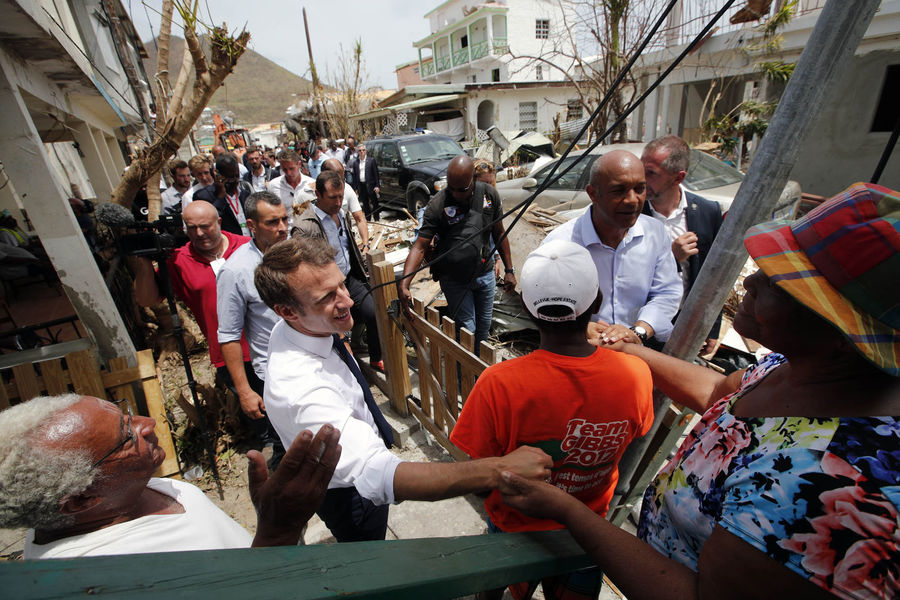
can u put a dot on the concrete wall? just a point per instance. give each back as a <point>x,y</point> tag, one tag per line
<point>550,102</point>
<point>840,149</point>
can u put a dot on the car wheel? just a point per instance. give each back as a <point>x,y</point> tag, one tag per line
<point>415,201</point>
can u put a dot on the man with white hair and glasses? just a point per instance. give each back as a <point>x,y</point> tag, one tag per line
<point>78,472</point>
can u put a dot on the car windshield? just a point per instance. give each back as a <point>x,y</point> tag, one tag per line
<point>570,180</point>
<point>428,148</point>
<point>708,172</point>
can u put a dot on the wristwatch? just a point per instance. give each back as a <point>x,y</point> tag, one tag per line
<point>640,332</point>
<point>511,270</point>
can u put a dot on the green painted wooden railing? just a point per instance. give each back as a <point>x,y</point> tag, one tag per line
<point>399,569</point>
<point>479,50</point>
<point>460,57</point>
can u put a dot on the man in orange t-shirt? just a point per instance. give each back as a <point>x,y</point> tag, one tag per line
<point>580,404</point>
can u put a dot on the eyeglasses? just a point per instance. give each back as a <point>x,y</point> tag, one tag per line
<point>462,190</point>
<point>129,434</point>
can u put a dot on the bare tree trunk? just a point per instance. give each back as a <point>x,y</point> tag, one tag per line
<point>174,124</point>
<point>154,199</point>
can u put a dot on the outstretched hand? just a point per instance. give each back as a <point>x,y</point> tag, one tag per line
<point>285,501</point>
<point>534,498</point>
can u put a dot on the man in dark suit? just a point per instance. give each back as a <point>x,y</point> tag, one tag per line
<point>691,221</point>
<point>227,194</point>
<point>366,183</point>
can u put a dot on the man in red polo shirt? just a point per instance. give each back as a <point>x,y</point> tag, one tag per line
<point>192,270</point>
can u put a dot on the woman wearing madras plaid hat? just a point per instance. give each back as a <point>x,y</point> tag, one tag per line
<point>789,487</point>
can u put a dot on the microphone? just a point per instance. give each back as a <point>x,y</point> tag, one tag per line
<point>114,215</point>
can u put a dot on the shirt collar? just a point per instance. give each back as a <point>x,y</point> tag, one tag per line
<point>324,215</point>
<point>320,346</point>
<point>679,210</point>
<point>589,234</point>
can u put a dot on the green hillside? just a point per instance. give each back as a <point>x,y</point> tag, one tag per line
<point>258,91</point>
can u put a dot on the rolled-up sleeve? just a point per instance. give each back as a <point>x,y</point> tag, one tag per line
<point>365,462</point>
<point>231,306</point>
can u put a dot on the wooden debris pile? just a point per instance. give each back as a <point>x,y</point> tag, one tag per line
<point>391,235</point>
<point>544,218</point>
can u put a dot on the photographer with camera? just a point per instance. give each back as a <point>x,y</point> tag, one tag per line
<point>227,194</point>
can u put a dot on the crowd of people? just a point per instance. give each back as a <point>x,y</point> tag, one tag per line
<point>787,487</point>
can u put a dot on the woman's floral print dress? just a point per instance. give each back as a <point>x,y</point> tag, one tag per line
<point>819,495</point>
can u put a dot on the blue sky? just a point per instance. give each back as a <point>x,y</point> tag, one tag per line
<point>387,29</point>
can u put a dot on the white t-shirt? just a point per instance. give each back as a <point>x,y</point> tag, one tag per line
<point>202,526</point>
<point>305,191</point>
<point>351,200</point>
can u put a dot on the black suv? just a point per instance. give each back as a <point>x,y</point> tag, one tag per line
<point>412,168</point>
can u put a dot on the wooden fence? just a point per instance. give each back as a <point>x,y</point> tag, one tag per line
<point>80,372</point>
<point>447,369</point>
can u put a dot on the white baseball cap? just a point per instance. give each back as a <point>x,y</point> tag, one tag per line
<point>559,273</point>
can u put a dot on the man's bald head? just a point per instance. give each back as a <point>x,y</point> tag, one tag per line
<point>460,167</point>
<point>199,209</point>
<point>461,179</point>
<point>217,150</point>
<point>617,191</point>
<point>333,164</point>
<point>612,163</point>
<point>203,227</point>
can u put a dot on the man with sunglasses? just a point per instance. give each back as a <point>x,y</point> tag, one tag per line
<point>464,218</point>
<point>366,182</point>
<point>227,194</point>
<point>78,472</point>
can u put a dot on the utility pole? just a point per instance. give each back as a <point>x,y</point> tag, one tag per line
<point>826,57</point>
<point>315,78</point>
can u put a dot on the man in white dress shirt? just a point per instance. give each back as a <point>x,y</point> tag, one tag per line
<point>311,381</point>
<point>632,252</point>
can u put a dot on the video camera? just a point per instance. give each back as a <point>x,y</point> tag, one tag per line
<point>155,239</point>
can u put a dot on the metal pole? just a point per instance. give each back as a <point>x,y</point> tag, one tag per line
<point>827,55</point>
<point>886,155</point>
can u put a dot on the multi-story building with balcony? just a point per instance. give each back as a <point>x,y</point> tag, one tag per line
<point>478,69</point>
<point>490,42</point>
